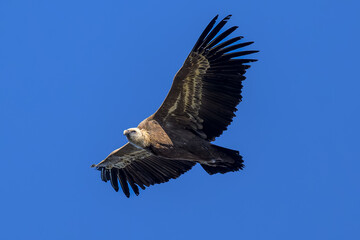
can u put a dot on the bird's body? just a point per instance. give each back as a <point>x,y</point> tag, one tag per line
<point>198,108</point>
<point>163,140</point>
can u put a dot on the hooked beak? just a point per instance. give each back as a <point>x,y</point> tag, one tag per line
<point>126,132</point>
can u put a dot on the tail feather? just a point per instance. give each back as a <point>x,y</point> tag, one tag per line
<point>225,166</point>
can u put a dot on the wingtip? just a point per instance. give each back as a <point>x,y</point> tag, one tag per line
<point>227,17</point>
<point>214,18</point>
<point>93,165</point>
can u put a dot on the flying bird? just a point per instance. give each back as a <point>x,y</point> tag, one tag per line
<point>198,108</point>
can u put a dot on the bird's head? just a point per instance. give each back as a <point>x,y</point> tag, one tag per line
<point>132,133</point>
<point>137,137</point>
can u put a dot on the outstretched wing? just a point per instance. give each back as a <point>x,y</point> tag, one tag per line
<point>207,89</point>
<point>139,168</point>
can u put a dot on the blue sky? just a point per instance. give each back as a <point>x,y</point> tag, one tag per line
<point>75,74</point>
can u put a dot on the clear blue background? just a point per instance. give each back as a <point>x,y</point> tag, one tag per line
<point>75,74</point>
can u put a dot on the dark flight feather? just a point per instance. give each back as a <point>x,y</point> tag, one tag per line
<point>103,177</point>
<point>222,36</point>
<point>228,49</point>
<point>129,171</point>
<point>205,32</point>
<point>212,34</point>
<point>123,182</point>
<point>107,174</point>
<point>224,44</point>
<point>113,179</point>
<point>132,183</point>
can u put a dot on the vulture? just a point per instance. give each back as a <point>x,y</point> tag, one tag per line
<point>198,108</point>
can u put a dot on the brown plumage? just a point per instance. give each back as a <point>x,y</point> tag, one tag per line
<point>198,108</point>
